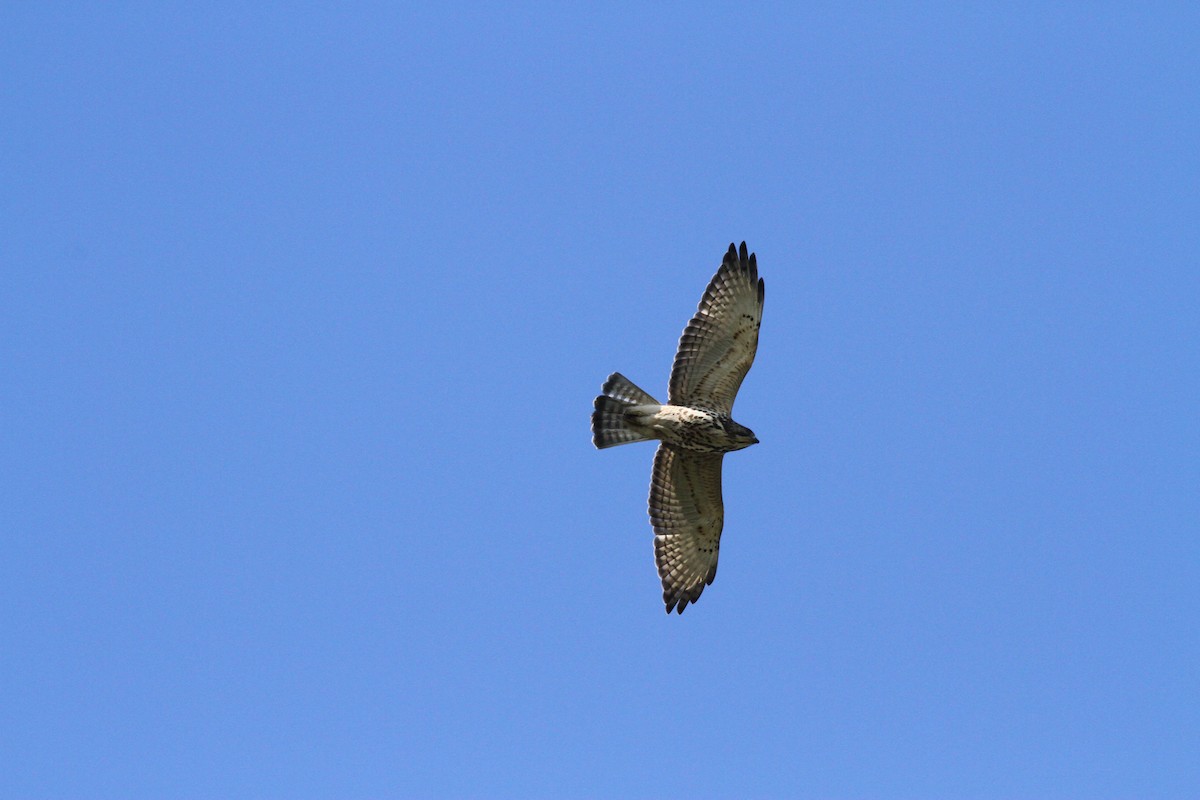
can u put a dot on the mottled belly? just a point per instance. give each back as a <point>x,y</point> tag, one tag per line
<point>691,429</point>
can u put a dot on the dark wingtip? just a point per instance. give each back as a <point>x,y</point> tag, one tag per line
<point>675,603</point>
<point>744,252</point>
<point>731,257</point>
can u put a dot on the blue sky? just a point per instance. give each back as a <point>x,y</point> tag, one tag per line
<point>303,309</point>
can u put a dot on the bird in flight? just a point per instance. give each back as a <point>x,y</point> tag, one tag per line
<point>694,428</point>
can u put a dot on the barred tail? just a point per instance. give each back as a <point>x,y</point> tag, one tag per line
<point>610,426</point>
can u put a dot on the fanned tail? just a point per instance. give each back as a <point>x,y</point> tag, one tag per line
<point>610,426</point>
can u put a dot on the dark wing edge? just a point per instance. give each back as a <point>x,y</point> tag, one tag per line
<point>687,514</point>
<point>729,316</point>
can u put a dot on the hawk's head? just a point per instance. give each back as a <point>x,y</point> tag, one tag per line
<point>739,435</point>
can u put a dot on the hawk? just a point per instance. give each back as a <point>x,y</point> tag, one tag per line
<point>694,428</point>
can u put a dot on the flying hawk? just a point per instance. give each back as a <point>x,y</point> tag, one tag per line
<point>694,427</point>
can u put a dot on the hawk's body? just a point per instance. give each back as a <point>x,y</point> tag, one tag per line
<point>700,429</point>
<point>695,426</point>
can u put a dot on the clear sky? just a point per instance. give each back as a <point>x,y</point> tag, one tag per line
<point>303,309</point>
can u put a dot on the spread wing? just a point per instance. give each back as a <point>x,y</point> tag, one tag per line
<point>718,345</point>
<point>687,515</point>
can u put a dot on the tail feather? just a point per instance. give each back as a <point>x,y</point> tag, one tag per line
<point>618,387</point>
<point>610,427</point>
